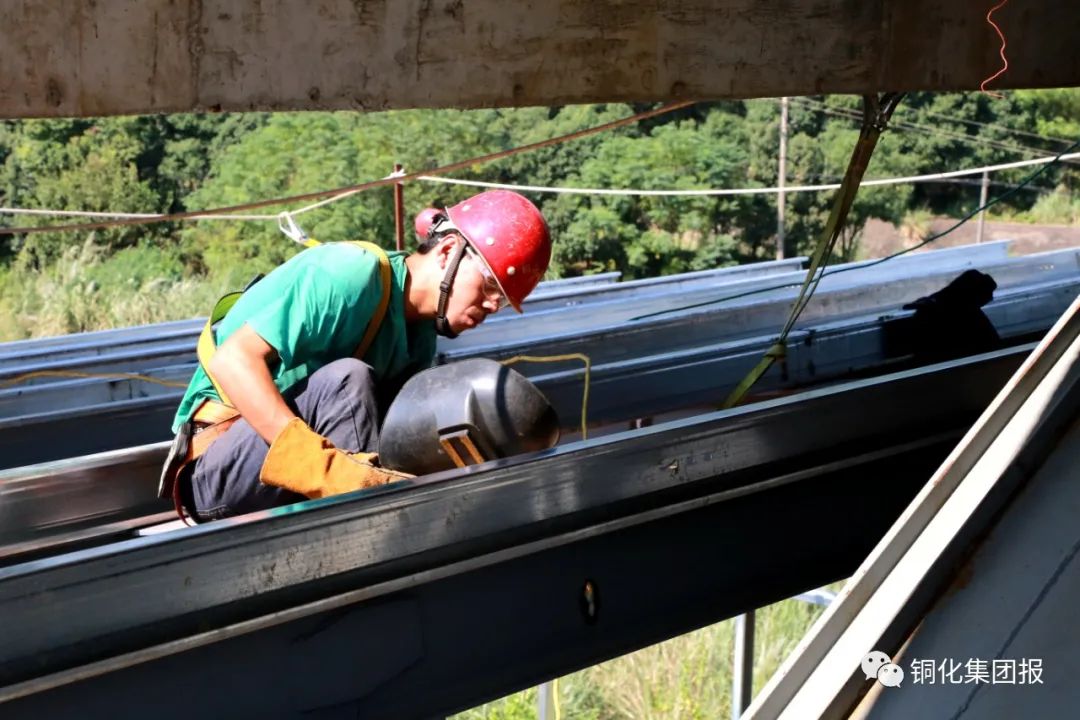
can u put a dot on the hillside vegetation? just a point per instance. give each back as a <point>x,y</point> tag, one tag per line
<point>52,283</point>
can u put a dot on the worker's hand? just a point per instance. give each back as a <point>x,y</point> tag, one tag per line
<point>373,460</point>
<point>305,462</point>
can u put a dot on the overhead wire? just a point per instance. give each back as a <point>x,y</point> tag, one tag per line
<point>978,123</point>
<point>752,190</point>
<point>911,125</point>
<point>330,196</point>
<point>1001,128</point>
<point>930,177</point>
<point>825,273</point>
<point>338,193</point>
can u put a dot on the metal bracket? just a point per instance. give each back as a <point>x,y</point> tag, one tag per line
<point>460,444</point>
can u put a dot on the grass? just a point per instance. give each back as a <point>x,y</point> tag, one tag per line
<point>84,290</point>
<point>685,678</point>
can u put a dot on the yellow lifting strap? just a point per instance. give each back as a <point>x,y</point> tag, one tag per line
<point>208,344</point>
<point>876,114</point>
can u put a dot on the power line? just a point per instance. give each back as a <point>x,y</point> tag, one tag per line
<point>824,272</point>
<point>949,176</point>
<point>993,126</point>
<point>1014,131</point>
<point>897,123</point>
<point>352,189</point>
<point>748,191</point>
<point>330,196</point>
<point>975,140</point>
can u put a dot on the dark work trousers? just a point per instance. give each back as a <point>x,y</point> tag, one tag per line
<point>338,401</point>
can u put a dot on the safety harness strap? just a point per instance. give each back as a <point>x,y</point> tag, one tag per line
<point>212,419</point>
<point>207,345</point>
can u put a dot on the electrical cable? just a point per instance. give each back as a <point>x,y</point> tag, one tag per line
<point>557,358</point>
<point>1001,52</point>
<point>749,191</point>
<point>977,123</point>
<point>931,177</point>
<point>1001,128</point>
<point>911,125</point>
<point>351,189</point>
<point>993,201</point>
<point>103,376</point>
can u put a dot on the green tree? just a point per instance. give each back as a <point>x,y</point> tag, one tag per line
<point>93,170</point>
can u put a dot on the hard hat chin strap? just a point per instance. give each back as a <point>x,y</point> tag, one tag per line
<point>442,325</point>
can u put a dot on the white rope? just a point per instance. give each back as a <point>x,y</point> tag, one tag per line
<point>747,191</point>
<point>562,190</point>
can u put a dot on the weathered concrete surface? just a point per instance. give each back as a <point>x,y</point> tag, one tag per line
<point>98,57</point>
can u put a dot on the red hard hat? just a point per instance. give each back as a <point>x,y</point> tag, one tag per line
<point>511,235</point>
<point>423,222</point>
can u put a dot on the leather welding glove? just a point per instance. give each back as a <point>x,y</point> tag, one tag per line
<point>303,461</point>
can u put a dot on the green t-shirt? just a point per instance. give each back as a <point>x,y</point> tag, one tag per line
<point>315,309</point>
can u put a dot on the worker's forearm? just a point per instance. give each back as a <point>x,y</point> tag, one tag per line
<point>247,382</point>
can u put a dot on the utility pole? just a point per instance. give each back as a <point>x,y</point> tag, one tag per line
<point>399,209</point>
<point>780,175</point>
<point>982,201</point>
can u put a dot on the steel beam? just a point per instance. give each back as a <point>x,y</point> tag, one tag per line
<point>558,310</point>
<point>1013,443</point>
<point>636,513</point>
<point>36,498</point>
<point>23,355</point>
<point>625,331</point>
<point>116,57</point>
<point>63,497</point>
<point>27,355</point>
<point>637,382</point>
<point>533,334</point>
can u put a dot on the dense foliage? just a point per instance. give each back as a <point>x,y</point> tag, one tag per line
<point>187,162</point>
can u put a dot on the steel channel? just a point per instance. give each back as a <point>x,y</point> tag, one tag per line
<point>659,382</point>
<point>159,353</point>
<point>455,630</point>
<point>153,345</point>
<point>614,302</point>
<point>147,590</point>
<point>667,381</point>
<point>688,329</point>
<point>69,352</point>
<point>71,495</point>
<point>21,401</point>
<point>55,497</point>
<point>850,293</point>
<point>577,295</point>
<point>91,343</point>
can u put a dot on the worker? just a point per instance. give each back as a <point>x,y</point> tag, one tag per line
<point>289,405</point>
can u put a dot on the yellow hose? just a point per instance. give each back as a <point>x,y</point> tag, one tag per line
<point>556,358</point>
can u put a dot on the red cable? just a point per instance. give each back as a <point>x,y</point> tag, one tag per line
<point>1004,60</point>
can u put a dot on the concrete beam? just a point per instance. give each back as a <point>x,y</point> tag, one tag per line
<point>103,57</point>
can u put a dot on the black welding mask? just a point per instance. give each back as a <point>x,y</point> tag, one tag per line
<point>465,413</point>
